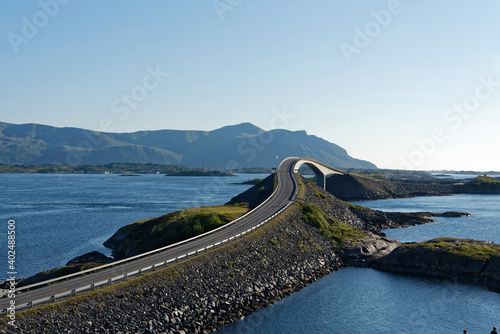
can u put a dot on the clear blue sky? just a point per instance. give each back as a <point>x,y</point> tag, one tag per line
<point>379,78</point>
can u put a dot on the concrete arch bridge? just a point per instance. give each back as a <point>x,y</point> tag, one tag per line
<point>320,169</point>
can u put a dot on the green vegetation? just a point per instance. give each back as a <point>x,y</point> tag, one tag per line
<point>313,215</point>
<point>480,185</point>
<point>458,247</point>
<point>202,173</point>
<point>356,207</point>
<point>261,191</point>
<point>253,170</point>
<point>336,231</point>
<point>146,235</point>
<point>483,183</point>
<point>253,181</point>
<point>320,195</point>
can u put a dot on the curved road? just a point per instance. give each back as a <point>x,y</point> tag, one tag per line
<point>287,190</point>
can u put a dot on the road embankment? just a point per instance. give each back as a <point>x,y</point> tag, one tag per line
<point>203,293</point>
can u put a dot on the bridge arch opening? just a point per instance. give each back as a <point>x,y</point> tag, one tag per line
<point>320,169</point>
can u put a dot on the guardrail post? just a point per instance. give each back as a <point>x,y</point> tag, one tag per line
<point>52,298</point>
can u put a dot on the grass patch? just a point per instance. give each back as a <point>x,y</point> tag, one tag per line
<point>482,184</point>
<point>337,232</point>
<point>356,207</point>
<point>261,191</point>
<point>485,181</point>
<point>147,235</point>
<point>458,247</point>
<point>320,195</point>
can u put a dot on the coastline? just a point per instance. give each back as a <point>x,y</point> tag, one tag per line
<point>220,287</point>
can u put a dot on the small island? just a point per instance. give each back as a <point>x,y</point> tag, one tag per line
<point>480,185</point>
<point>202,173</point>
<point>251,182</point>
<point>461,260</point>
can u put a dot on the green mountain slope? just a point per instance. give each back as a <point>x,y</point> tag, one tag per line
<point>230,147</point>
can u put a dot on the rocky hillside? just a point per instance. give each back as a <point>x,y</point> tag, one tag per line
<point>352,187</point>
<point>462,260</point>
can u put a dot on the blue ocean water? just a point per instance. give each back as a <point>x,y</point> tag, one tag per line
<point>483,225</point>
<point>61,216</point>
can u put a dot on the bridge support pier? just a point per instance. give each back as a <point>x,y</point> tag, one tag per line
<point>321,181</point>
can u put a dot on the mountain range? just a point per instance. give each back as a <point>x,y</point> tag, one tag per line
<point>230,147</point>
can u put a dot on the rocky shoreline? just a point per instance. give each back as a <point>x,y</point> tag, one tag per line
<point>459,260</point>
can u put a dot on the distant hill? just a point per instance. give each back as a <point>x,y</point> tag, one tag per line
<point>479,185</point>
<point>231,147</point>
<point>202,173</point>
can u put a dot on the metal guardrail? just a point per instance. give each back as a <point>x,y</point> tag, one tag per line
<point>148,268</point>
